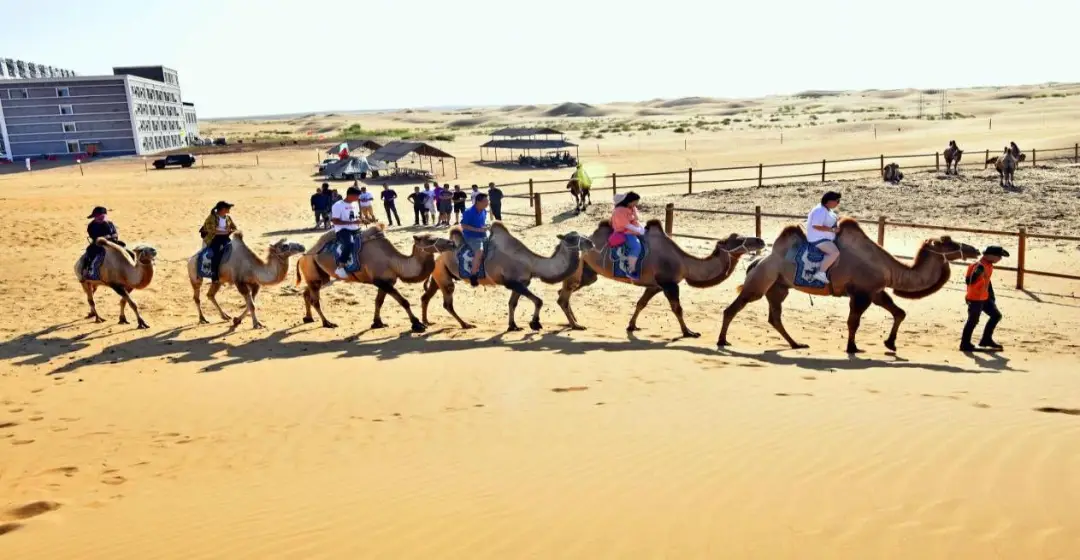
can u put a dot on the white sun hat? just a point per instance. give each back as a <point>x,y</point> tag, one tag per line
<point>618,198</point>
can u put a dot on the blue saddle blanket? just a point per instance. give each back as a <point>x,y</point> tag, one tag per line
<point>203,262</point>
<point>352,263</point>
<point>465,258</point>
<point>807,258</point>
<point>620,259</point>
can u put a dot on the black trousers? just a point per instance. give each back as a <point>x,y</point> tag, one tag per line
<point>93,251</point>
<point>217,246</point>
<point>345,239</point>
<point>391,207</point>
<point>496,210</point>
<point>975,311</point>
<point>419,214</point>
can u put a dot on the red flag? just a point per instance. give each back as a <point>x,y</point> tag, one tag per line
<point>344,153</point>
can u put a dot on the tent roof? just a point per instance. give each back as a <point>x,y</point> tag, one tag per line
<point>351,164</point>
<point>355,143</point>
<point>528,144</point>
<point>518,132</point>
<point>397,150</point>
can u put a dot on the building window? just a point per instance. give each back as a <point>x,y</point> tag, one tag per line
<point>19,94</point>
<point>69,127</point>
<point>73,146</point>
<point>66,110</point>
<point>3,94</point>
<point>63,92</point>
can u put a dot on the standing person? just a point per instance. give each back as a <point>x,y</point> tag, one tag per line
<point>459,199</point>
<point>367,205</point>
<point>472,195</point>
<point>346,219</point>
<point>474,229</point>
<point>316,200</point>
<point>495,196</point>
<point>980,299</point>
<point>99,227</point>
<point>429,202</point>
<point>334,196</point>
<point>446,205</point>
<point>821,232</point>
<point>321,202</point>
<point>419,200</point>
<point>216,231</point>
<point>389,196</point>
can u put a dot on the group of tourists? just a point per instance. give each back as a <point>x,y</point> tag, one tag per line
<point>431,205</point>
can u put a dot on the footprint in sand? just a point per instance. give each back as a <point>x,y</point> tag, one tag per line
<point>1056,410</point>
<point>22,441</point>
<point>66,471</point>
<point>6,528</point>
<point>794,394</point>
<point>33,509</point>
<point>809,378</point>
<point>569,389</point>
<point>8,425</point>
<point>116,480</point>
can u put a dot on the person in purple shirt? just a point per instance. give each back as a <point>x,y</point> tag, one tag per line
<point>474,229</point>
<point>388,197</point>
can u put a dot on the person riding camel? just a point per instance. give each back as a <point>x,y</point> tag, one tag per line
<point>474,229</point>
<point>216,232</point>
<point>99,227</point>
<point>821,232</point>
<point>627,225</point>
<point>346,218</point>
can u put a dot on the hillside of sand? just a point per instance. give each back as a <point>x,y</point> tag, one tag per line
<point>206,441</point>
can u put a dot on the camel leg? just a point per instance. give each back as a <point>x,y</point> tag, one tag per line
<point>671,291</point>
<point>746,296</point>
<point>90,289</point>
<point>211,295</point>
<point>123,318</point>
<point>642,302</point>
<point>448,302</point>
<point>311,299</point>
<point>883,299</point>
<point>125,296</point>
<point>196,286</point>
<point>859,304</point>
<point>522,289</point>
<point>248,291</point>
<point>776,296</point>
<point>571,285</point>
<point>388,288</point>
<point>377,323</point>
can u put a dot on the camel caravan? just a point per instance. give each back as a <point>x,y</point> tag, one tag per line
<point>829,256</point>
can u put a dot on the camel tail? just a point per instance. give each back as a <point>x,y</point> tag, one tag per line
<point>297,272</point>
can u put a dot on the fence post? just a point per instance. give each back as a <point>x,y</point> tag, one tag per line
<point>530,193</point>
<point>757,221</point>
<point>882,165</point>
<point>1076,153</point>
<point>690,181</point>
<point>986,161</point>
<point>760,168</point>
<point>537,210</point>
<point>669,218</point>
<point>1034,157</point>
<point>614,186</point>
<point>256,160</point>
<point>1021,253</point>
<point>822,171</point>
<point>937,161</point>
<point>881,230</point>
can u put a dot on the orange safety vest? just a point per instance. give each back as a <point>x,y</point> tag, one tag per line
<point>979,290</point>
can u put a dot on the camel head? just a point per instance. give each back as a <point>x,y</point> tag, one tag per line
<point>575,242</point>
<point>145,254</point>
<point>736,244</point>
<point>951,250</point>
<point>285,249</point>
<point>433,245</point>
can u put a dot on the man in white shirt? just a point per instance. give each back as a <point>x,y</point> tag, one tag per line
<point>821,231</point>
<point>345,216</point>
<point>367,205</point>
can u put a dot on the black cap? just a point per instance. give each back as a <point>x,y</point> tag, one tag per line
<point>97,211</point>
<point>996,251</point>
<point>352,191</point>
<point>222,204</point>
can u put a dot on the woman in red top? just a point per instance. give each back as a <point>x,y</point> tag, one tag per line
<point>627,227</point>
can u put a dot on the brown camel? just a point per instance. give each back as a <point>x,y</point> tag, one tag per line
<point>663,268</point>
<point>862,273</point>
<point>892,174</point>
<point>381,265</point>
<point>245,270</point>
<point>507,262</point>
<point>1006,165</point>
<point>123,274</point>
<point>952,158</point>
<point>575,191</point>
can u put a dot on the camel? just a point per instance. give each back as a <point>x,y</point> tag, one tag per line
<point>862,273</point>
<point>580,202</point>
<point>381,265</point>
<point>1006,165</point>
<point>122,273</point>
<point>663,268</point>
<point>507,262</point>
<point>891,174</point>
<point>952,158</point>
<point>245,270</point>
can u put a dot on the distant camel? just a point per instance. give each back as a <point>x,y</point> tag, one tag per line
<point>120,272</point>
<point>1016,153</point>
<point>245,270</point>
<point>1006,165</point>
<point>662,269</point>
<point>892,174</point>
<point>952,158</point>
<point>381,265</point>
<point>862,273</point>
<point>575,191</point>
<point>507,262</point>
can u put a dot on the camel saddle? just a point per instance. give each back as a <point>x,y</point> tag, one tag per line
<point>807,258</point>
<point>352,264</point>
<point>203,262</point>
<point>465,256</point>
<point>618,257</point>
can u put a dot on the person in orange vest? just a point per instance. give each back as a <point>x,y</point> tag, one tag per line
<point>980,299</point>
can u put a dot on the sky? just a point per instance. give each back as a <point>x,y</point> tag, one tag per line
<point>239,58</point>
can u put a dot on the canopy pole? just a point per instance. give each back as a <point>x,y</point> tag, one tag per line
<point>455,168</point>
<point>442,163</point>
<point>496,153</point>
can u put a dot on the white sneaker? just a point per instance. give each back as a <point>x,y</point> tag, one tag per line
<point>340,272</point>
<point>821,277</point>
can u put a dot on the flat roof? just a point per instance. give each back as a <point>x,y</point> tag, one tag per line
<point>528,144</point>
<point>397,150</point>
<point>519,132</point>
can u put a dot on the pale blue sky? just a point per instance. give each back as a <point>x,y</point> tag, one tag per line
<point>285,56</point>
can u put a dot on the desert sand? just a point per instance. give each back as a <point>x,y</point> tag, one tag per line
<point>188,441</point>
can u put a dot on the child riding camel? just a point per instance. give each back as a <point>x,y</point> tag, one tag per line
<point>627,227</point>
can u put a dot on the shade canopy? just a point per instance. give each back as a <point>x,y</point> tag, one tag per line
<point>528,144</point>
<point>520,132</point>
<point>397,150</point>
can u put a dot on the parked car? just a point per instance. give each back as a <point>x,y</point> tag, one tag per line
<point>220,142</point>
<point>327,161</point>
<point>183,160</point>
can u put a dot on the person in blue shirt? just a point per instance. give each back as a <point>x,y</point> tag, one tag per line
<point>474,228</point>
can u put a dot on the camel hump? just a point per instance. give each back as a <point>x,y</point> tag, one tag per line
<point>654,224</point>
<point>498,226</point>
<point>238,235</point>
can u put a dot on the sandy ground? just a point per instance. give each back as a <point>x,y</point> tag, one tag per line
<point>190,441</point>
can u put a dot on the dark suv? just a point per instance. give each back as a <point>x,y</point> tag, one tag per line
<point>183,160</point>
